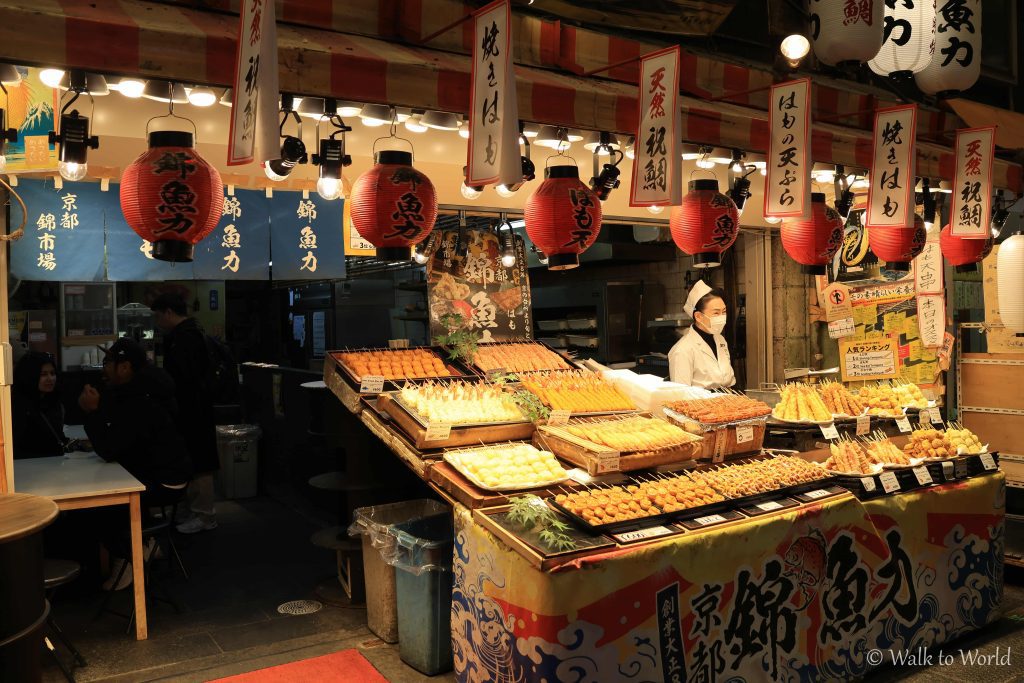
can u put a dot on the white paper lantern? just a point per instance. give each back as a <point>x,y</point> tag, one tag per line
<point>956,62</point>
<point>846,32</point>
<point>1010,268</point>
<point>909,38</point>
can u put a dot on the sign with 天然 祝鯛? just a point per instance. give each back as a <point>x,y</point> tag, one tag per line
<point>658,163</point>
<point>970,206</point>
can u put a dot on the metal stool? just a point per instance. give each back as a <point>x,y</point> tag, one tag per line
<point>57,573</point>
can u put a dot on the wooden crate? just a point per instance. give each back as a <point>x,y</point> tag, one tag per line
<point>460,436</point>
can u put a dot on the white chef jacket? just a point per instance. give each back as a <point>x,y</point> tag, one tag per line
<point>692,362</point>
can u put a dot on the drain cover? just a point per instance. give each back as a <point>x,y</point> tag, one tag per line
<point>297,607</point>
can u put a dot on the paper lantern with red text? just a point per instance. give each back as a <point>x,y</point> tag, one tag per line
<point>563,217</point>
<point>705,224</point>
<point>898,246</point>
<point>963,254</point>
<point>812,243</point>
<point>394,206</point>
<point>843,34</point>
<point>170,196</point>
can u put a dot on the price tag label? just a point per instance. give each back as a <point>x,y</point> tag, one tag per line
<point>948,471</point>
<point>769,506</point>
<point>559,417</point>
<point>889,482</point>
<point>371,384</point>
<point>709,519</point>
<point>936,415</point>
<point>438,431</point>
<point>904,424</point>
<point>863,425</point>
<point>607,462</point>
<point>744,433</point>
<point>924,477</point>
<point>829,431</point>
<point>987,461</point>
<point>816,494</point>
<point>398,343</point>
<point>643,534</point>
<point>868,483</point>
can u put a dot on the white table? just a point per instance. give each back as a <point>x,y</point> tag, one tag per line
<point>76,483</point>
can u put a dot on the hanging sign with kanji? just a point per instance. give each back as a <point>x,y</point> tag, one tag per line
<point>494,112</point>
<point>928,270</point>
<point>254,98</point>
<point>239,247</point>
<point>971,203</point>
<point>306,239</point>
<point>931,319</point>
<point>787,187</point>
<point>658,164</point>
<point>891,193</point>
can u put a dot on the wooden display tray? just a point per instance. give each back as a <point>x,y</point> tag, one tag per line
<point>568,364</point>
<point>589,456</point>
<point>446,476</point>
<point>457,371</point>
<point>535,556</point>
<point>460,436</point>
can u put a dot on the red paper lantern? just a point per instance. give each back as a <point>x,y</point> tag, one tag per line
<point>705,224</point>
<point>170,196</point>
<point>963,254</point>
<point>563,217</point>
<point>898,246</point>
<point>812,243</point>
<point>394,206</point>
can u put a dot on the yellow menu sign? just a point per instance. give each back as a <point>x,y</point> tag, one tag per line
<point>869,359</point>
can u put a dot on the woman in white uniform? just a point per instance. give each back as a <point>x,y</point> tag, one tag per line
<point>701,357</point>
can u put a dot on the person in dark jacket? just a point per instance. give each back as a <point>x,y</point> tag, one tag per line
<point>38,416</point>
<point>132,422</point>
<point>188,360</point>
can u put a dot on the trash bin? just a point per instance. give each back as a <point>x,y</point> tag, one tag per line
<point>423,585</point>
<point>374,524</point>
<point>237,450</point>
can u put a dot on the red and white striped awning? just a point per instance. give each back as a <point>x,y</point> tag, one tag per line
<point>170,41</point>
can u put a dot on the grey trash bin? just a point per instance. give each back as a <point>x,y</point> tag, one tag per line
<point>237,450</point>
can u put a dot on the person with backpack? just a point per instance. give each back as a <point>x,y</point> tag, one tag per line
<point>188,359</point>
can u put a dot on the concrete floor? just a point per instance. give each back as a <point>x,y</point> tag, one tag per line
<point>260,557</point>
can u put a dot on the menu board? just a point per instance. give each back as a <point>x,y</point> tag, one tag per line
<point>467,279</point>
<point>870,359</point>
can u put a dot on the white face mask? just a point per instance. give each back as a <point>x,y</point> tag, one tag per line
<point>716,323</point>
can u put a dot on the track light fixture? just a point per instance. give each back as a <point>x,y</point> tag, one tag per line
<point>74,137</point>
<point>331,157</point>
<point>426,249</point>
<point>507,241</point>
<point>606,177</point>
<point>844,195</point>
<point>6,135</point>
<point>529,171</point>
<point>293,149</point>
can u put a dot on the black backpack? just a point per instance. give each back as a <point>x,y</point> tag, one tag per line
<point>223,377</point>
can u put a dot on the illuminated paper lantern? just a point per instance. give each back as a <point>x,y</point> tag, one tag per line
<point>956,63</point>
<point>898,246</point>
<point>844,31</point>
<point>908,40</point>
<point>705,224</point>
<point>963,254</point>
<point>563,217</point>
<point>1010,269</point>
<point>812,243</point>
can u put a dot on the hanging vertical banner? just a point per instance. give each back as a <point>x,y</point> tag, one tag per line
<point>658,166</point>
<point>239,247</point>
<point>494,110</point>
<point>970,206</point>
<point>31,110</point>
<point>306,238</point>
<point>891,194</point>
<point>63,237</point>
<point>928,270</point>
<point>931,319</point>
<point>255,98</point>
<point>787,187</point>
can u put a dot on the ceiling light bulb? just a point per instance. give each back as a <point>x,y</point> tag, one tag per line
<point>655,209</point>
<point>70,170</point>
<point>737,167</point>
<point>508,260</point>
<point>795,47</point>
<point>225,99</point>
<point>504,191</point>
<point>630,153</point>
<point>273,175</point>
<point>691,152</point>
<point>530,130</point>
<point>51,77</point>
<point>420,257</point>
<point>772,220</point>
<point>469,192</point>
<point>440,120</point>
<point>374,115</point>
<point>414,125</point>
<point>705,163</point>
<point>329,188</point>
<point>347,109</point>
<point>202,96</point>
<point>131,87</point>
<point>464,130</point>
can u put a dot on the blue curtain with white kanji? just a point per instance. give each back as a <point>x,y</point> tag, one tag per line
<point>63,232</point>
<point>239,247</point>
<point>306,238</point>
<point>130,258</point>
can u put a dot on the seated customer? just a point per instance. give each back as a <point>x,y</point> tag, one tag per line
<point>132,422</point>
<point>38,416</point>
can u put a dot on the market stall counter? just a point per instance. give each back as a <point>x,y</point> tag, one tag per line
<point>821,591</point>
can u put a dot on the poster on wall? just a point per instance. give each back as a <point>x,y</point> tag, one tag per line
<point>31,108</point>
<point>469,281</point>
<point>306,240</point>
<point>891,193</point>
<point>63,237</point>
<point>870,359</point>
<point>239,247</point>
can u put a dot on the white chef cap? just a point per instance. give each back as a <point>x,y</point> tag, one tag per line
<point>698,290</point>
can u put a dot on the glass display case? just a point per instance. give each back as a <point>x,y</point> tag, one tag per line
<point>87,323</point>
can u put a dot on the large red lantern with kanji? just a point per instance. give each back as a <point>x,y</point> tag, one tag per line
<point>963,254</point>
<point>705,224</point>
<point>898,246</point>
<point>563,217</point>
<point>170,196</point>
<point>394,206</point>
<point>812,243</point>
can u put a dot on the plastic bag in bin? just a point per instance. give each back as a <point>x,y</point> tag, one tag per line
<point>395,531</point>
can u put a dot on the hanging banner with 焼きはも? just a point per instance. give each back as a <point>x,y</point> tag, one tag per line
<point>658,165</point>
<point>787,187</point>
<point>493,112</point>
<point>891,193</point>
<point>255,105</point>
<point>971,204</point>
